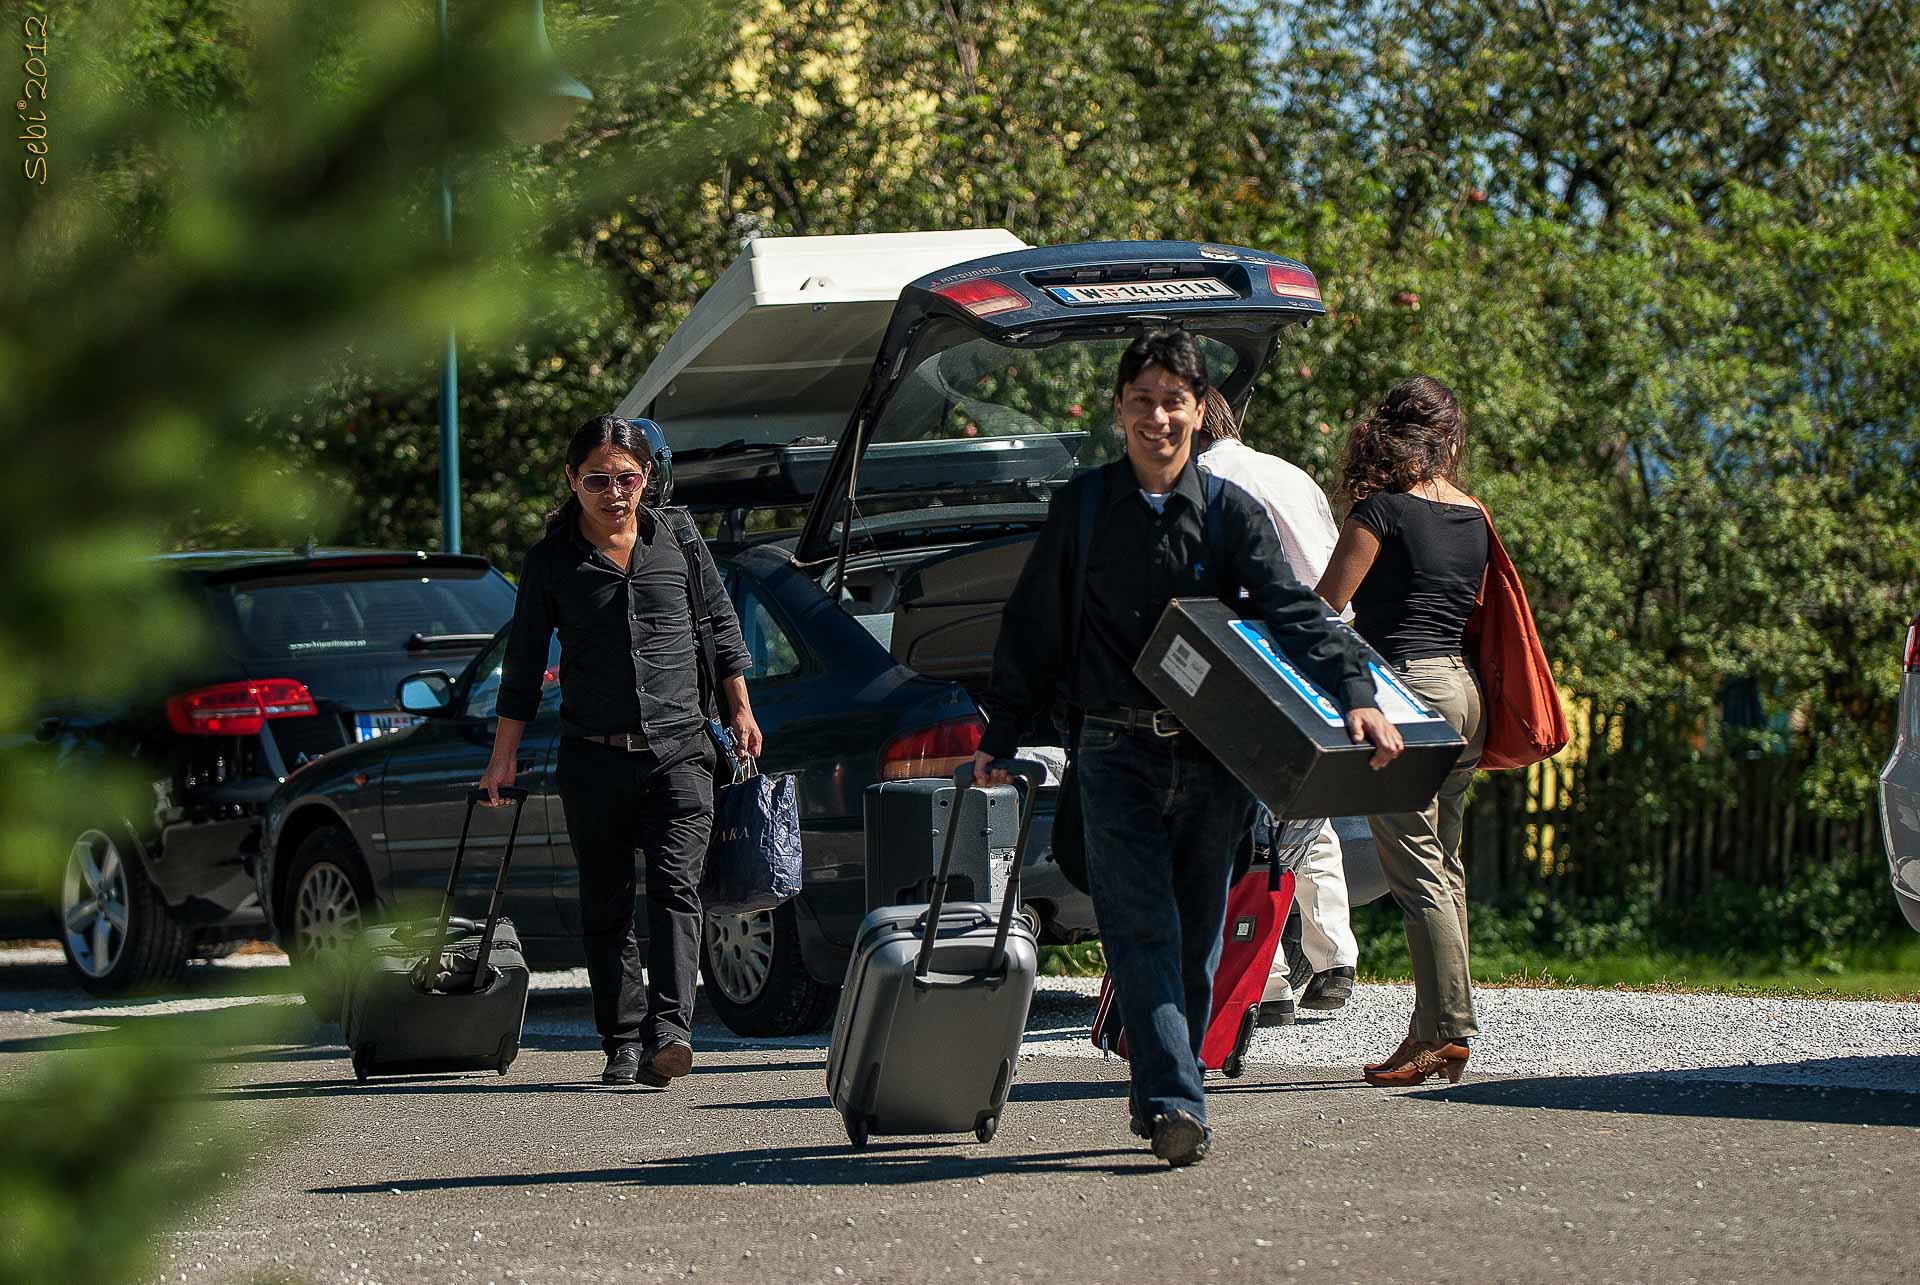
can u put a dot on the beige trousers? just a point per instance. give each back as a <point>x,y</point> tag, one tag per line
<point>1420,854</point>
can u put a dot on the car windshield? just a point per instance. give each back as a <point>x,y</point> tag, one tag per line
<point>366,612</point>
<point>979,389</point>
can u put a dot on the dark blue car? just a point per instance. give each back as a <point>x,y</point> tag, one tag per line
<point>871,427</point>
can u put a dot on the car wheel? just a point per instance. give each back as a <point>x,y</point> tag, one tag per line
<point>756,980</point>
<point>327,901</point>
<point>117,932</point>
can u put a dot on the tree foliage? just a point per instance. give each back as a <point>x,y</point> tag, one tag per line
<point>236,208</point>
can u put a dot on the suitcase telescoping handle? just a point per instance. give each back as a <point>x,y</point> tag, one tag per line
<point>475,797</point>
<point>1030,774</point>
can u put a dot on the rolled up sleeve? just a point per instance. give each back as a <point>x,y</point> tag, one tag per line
<point>730,655</point>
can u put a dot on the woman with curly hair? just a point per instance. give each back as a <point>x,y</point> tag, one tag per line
<point>1411,557</point>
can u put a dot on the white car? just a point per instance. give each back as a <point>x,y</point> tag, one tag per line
<point>1900,788</point>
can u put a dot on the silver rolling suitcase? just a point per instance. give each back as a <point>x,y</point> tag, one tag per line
<point>935,1004</point>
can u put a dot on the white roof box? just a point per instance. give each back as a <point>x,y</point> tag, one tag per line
<point>779,348</point>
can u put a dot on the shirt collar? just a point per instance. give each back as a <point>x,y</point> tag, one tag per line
<point>649,523</point>
<point>1121,483</point>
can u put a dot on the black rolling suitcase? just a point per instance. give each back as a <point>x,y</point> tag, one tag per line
<point>441,994</point>
<point>935,1005</point>
<point>906,828</point>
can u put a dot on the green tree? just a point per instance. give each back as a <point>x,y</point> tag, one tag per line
<point>236,198</point>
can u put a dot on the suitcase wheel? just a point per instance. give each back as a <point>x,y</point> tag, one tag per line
<point>363,1062</point>
<point>857,1131</point>
<point>1232,1067</point>
<point>985,1127</point>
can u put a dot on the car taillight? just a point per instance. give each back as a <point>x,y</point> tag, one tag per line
<point>932,751</point>
<point>238,709</point>
<point>1294,283</point>
<point>983,297</point>
<point>1913,647</point>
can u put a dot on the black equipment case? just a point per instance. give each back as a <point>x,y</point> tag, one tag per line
<point>906,828</point>
<point>441,994</point>
<point>1277,731</point>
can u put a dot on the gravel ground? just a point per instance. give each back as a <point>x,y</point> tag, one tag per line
<point>1587,1165</point>
<point>1722,1038</point>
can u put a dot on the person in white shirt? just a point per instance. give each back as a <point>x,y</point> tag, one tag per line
<point>1304,519</point>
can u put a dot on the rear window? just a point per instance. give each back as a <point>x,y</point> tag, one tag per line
<point>981,389</point>
<point>368,611</point>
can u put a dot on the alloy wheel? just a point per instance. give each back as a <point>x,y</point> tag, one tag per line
<point>93,903</point>
<point>740,950</point>
<point>326,911</point>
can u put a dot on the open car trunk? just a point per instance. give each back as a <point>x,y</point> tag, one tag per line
<point>914,390</point>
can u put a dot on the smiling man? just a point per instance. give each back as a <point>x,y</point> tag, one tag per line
<point>1163,816</point>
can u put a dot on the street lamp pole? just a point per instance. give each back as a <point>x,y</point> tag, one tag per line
<point>450,359</point>
<point>552,98</point>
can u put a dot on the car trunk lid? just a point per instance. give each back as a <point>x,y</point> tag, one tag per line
<point>993,379</point>
<point>759,380</point>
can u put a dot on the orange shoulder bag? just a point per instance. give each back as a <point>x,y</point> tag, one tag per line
<point>1525,723</point>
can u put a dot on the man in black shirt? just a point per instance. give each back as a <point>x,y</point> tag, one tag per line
<point>635,764</point>
<point>1162,815</point>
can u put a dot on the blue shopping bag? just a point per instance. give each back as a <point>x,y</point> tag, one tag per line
<point>753,859</point>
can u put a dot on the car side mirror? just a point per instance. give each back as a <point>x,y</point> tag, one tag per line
<point>427,693</point>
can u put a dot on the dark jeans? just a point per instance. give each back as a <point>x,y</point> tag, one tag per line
<point>1163,819</point>
<point>616,802</point>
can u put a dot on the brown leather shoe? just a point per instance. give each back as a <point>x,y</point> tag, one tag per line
<point>1440,1057</point>
<point>1395,1060</point>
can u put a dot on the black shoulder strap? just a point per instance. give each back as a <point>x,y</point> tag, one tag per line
<point>1213,530</point>
<point>688,537</point>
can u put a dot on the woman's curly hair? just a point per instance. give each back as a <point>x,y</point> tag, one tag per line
<point>1412,436</point>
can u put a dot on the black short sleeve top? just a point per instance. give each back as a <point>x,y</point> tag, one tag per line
<point>1419,594</point>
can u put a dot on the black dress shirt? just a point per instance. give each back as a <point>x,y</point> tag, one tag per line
<point>1139,561</point>
<point>628,655</point>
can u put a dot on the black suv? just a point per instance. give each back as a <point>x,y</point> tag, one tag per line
<point>308,648</point>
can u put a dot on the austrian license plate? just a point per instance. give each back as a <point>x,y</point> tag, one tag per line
<point>1112,292</point>
<point>368,726</point>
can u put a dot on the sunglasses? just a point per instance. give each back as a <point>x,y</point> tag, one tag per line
<point>597,483</point>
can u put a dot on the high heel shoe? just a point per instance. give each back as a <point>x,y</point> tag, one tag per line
<point>1440,1057</point>
<point>1396,1059</point>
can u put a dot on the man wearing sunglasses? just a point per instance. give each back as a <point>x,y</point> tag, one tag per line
<point>648,640</point>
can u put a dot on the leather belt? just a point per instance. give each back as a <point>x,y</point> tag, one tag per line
<point>1149,722</point>
<point>632,742</point>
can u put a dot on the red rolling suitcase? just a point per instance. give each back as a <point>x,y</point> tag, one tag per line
<point>1257,909</point>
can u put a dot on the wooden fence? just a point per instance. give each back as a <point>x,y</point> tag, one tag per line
<point>1572,826</point>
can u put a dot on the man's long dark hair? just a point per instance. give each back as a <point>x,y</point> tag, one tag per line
<point>607,430</point>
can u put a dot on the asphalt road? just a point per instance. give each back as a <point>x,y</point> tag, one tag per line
<point>742,1171</point>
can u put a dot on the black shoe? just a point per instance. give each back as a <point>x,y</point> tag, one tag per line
<point>670,1061</point>
<point>1180,1139</point>
<point>1139,1128</point>
<point>1277,1012</point>
<point>623,1065</point>
<point>1331,989</point>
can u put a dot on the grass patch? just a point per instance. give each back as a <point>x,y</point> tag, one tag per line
<point>1890,975</point>
<point>1083,960</point>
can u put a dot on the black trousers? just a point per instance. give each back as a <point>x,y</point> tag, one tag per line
<point>618,801</point>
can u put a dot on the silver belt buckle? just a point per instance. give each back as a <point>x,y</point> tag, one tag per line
<point>1159,731</point>
<point>627,743</point>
